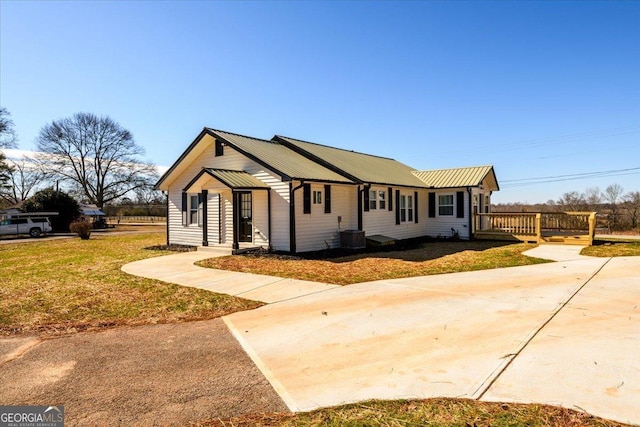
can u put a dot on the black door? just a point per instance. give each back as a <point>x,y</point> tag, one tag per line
<point>245,230</point>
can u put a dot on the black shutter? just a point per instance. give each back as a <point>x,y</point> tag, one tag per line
<point>184,208</point>
<point>199,210</point>
<point>397,207</point>
<point>432,205</point>
<point>415,206</point>
<point>366,198</point>
<point>327,199</point>
<point>390,199</point>
<point>460,204</point>
<point>306,199</point>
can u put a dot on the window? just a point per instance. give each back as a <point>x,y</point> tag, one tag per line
<point>193,208</point>
<point>406,208</point>
<point>382,202</point>
<point>445,204</point>
<point>373,200</point>
<point>317,197</point>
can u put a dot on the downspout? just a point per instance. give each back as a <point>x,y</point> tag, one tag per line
<point>360,225</point>
<point>269,215</point>
<point>292,216</point>
<point>167,205</point>
<point>469,190</point>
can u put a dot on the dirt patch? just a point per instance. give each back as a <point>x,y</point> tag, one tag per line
<point>148,375</point>
<point>173,247</point>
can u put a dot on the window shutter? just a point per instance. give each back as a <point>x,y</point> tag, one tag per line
<point>366,199</point>
<point>432,205</point>
<point>390,199</point>
<point>306,198</point>
<point>200,210</point>
<point>460,204</point>
<point>184,208</point>
<point>397,207</point>
<point>327,199</point>
<point>415,206</point>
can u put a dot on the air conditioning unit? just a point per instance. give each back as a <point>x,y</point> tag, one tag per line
<point>352,239</point>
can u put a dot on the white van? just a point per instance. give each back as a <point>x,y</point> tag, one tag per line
<point>33,226</point>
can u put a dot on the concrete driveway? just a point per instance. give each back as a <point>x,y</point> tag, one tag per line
<point>566,333</point>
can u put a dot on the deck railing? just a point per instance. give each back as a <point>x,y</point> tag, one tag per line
<point>537,227</point>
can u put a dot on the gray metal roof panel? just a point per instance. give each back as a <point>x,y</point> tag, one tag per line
<point>281,158</point>
<point>365,167</point>
<point>236,179</point>
<point>458,177</point>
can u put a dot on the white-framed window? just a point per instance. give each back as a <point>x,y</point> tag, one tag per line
<point>445,204</point>
<point>373,200</point>
<point>317,197</point>
<point>194,209</point>
<point>406,208</point>
<point>382,200</point>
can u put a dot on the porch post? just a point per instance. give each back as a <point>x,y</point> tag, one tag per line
<point>205,231</point>
<point>235,199</point>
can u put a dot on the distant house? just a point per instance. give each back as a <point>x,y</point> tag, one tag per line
<point>295,196</point>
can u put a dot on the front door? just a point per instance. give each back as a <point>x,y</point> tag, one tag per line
<point>245,229</point>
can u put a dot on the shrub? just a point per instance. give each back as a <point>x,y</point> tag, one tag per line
<point>50,200</point>
<point>81,228</point>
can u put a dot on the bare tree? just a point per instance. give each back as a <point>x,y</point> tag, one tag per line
<point>571,201</point>
<point>612,195</point>
<point>632,201</point>
<point>593,197</point>
<point>24,176</point>
<point>7,140</point>
<point>8,136</point>
<point>96,154</point>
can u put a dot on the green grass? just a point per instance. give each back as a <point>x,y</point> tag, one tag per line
<point>428,259</point>
<point>612,248</point>
<point>430,412</point>
<point>60,286</point>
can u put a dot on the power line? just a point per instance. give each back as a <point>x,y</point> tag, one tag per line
<point>569,177</point>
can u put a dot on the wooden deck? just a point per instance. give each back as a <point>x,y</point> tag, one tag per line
<point>576,228</point>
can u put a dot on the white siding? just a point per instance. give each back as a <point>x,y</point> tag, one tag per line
<point>192,234</point>
<point>319,230</point>
<point>384,221</point>
<point>441,225</point>
<point>213,212</point>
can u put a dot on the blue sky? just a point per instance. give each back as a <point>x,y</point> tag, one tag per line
<point>538,89</point>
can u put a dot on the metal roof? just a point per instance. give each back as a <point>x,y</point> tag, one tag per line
<point>362,167</point>
<point>236,179</point>
<point>459,177</point>
<point>280,159</point>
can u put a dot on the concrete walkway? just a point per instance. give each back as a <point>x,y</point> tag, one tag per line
<point>180,269</point>
<point>565,333</point>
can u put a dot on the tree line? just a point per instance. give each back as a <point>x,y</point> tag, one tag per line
<point>616,209</point>
<point>92,158</point>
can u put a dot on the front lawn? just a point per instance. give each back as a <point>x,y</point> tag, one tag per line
<point>428,259</point>
<point>429,412</point>
<point>609,248</point>
<point>70,285</point>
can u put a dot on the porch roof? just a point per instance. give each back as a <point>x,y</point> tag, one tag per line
<point>234,179</point>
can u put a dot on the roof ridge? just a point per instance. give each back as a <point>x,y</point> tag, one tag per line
<point>336,148</point>
<point>240,135</point>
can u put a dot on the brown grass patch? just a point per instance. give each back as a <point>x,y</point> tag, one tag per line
<point>428,259</point>
<point>429,412</point>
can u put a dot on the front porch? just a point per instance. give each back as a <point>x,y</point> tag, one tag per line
<point>576,228</point>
